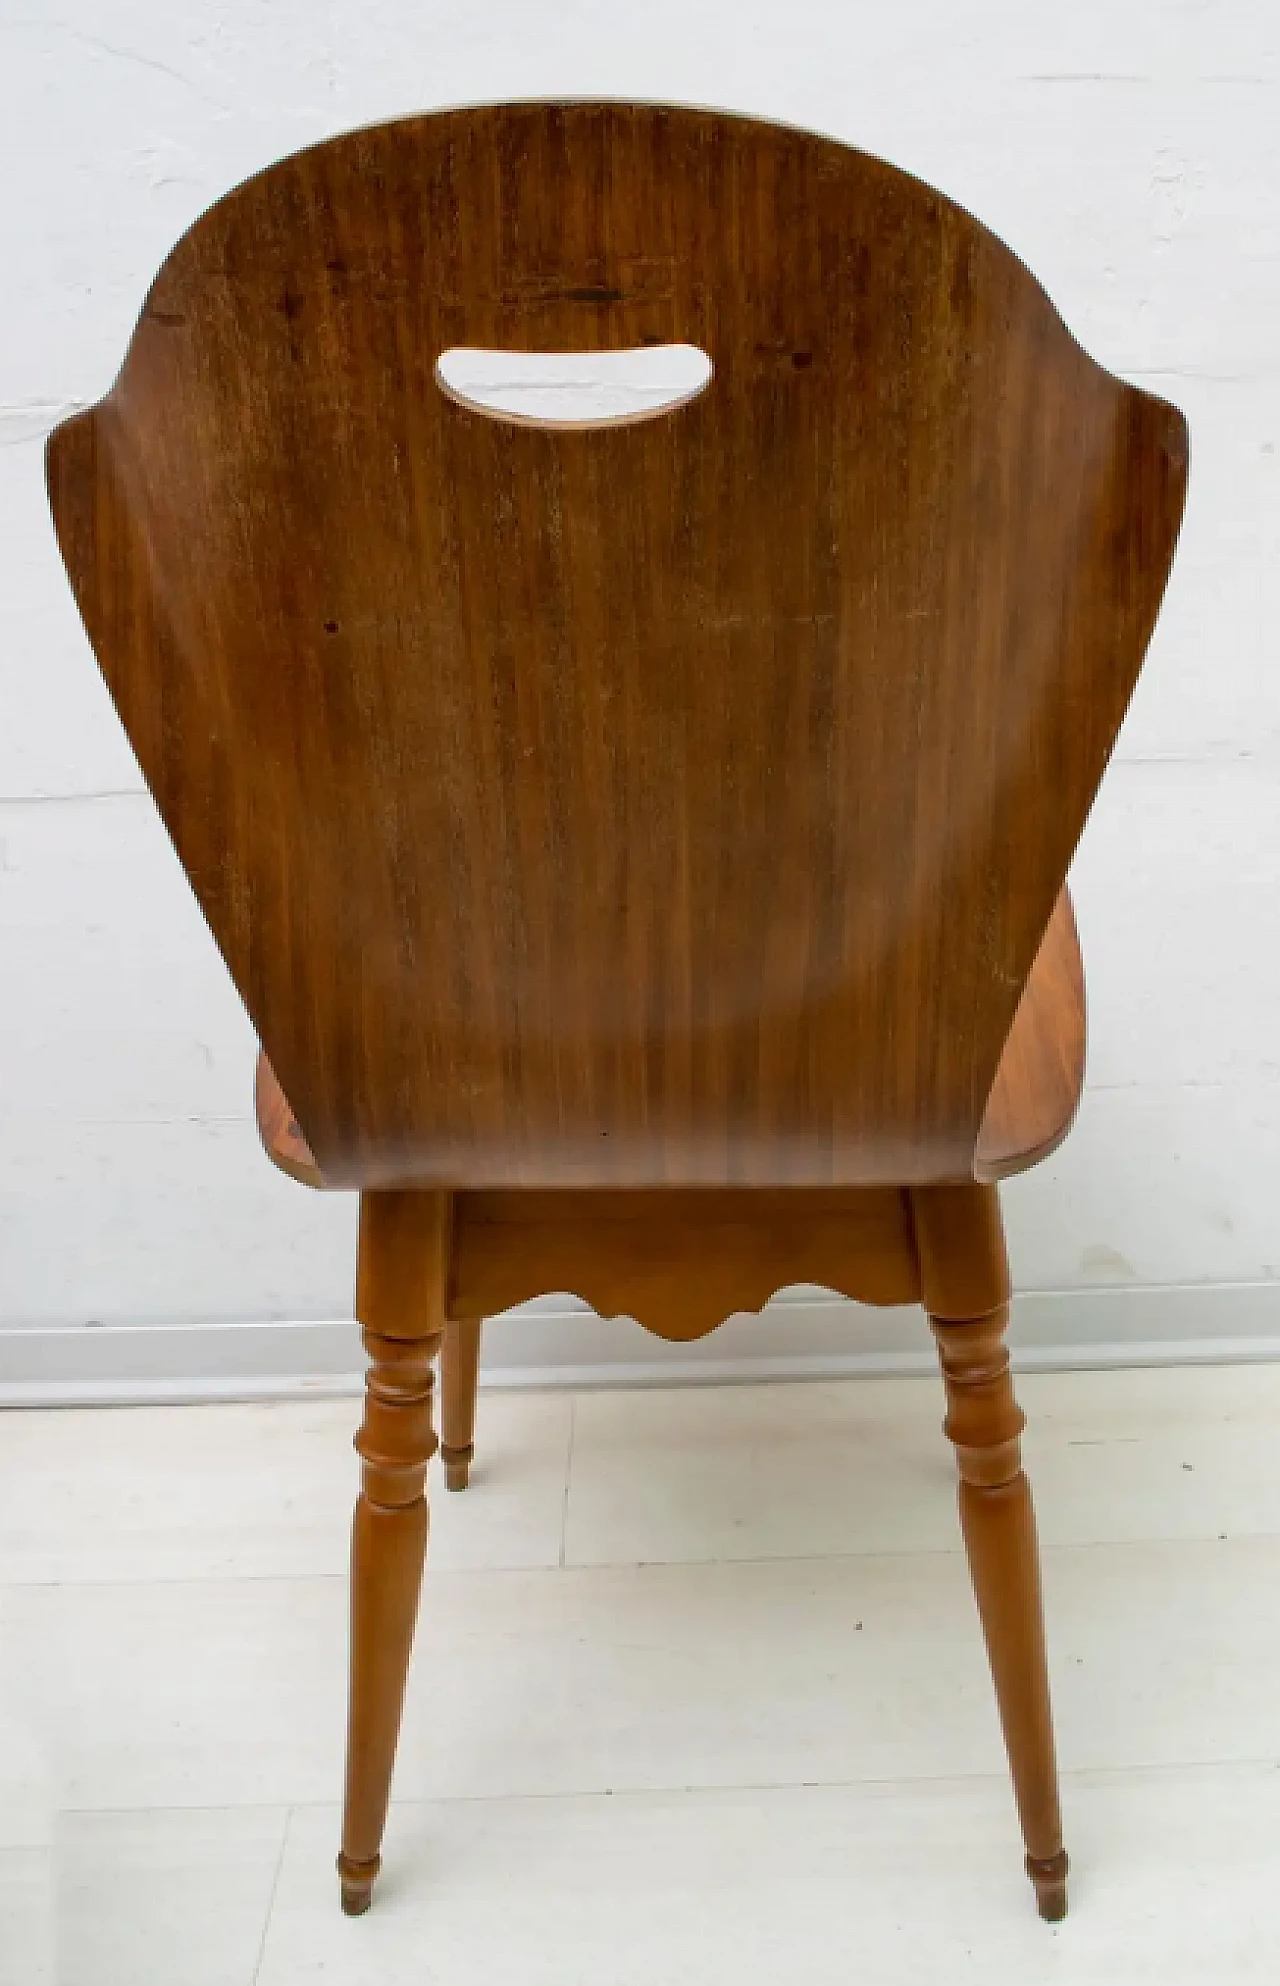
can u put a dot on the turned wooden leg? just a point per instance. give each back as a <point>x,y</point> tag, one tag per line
<point>459,1375</point>
<point>965,1280</point>
<point>400,1286</point>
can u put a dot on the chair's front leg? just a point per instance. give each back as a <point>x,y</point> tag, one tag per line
<point>966,1290</point>
<point>400,1299</point>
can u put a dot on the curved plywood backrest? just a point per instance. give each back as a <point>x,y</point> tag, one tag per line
<point>674,801</point>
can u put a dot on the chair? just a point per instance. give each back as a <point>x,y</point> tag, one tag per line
<point>641,847</point>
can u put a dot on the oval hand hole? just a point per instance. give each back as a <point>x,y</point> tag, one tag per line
<point>574,389</point>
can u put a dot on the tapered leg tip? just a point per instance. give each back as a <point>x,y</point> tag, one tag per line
<point>457,1467</point>
<point>1051,1901</point>
<point>1050,1879</point>
<point>357,1880</point>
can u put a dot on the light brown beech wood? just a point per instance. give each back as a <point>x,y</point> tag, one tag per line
<point>966,1291</point>
<point>459,1374</point>
<point>678,1262</point>
<point>400,1301</point>
<point>641,849</point>
<point>1040,1076</point>
<point>279,1129</point>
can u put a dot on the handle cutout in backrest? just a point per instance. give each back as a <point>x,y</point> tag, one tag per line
<point>574,389</point>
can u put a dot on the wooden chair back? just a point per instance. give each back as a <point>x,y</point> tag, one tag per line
<point>678,802</point>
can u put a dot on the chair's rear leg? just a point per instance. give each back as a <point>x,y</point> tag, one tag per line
<point>966,1290</point>
<point>459,1376</point>
<point>400,1286</point>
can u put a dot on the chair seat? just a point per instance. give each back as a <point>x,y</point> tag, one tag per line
<point>1040,1076</point>
<point>1030,1109</point>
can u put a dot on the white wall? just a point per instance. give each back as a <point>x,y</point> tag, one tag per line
<point>1128,149</point>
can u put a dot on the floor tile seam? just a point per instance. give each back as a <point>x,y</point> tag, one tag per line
<point>271,1899</point>
<point>1236,1765</point>
<point>1048,1549</point>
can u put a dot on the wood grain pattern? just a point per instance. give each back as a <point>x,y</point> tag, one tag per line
<point>674,804</point>
<point>1033,1101</point>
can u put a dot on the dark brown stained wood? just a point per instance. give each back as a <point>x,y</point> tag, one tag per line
<point>673,804</point>
<point>1029,1112</point>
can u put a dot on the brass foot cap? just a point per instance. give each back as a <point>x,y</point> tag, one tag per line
<point>357,1879</point>
<point>457,1467</point>
<point>1050,1879</point>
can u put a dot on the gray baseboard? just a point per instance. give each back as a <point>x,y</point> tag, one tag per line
<point>801,1335</point>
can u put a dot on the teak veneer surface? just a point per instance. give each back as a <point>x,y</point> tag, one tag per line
<point>1029,1112</point>
<point>680,803</point>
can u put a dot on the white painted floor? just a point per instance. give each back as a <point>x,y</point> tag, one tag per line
<point>699,1695</point>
